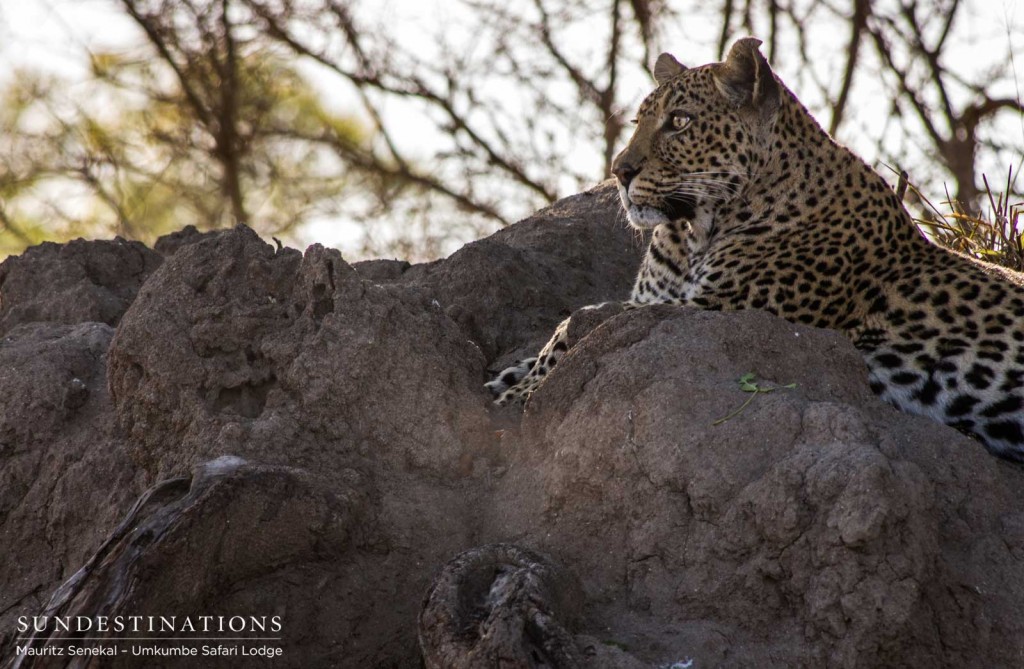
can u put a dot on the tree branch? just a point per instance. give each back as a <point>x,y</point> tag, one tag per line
<point>411,87</point>
<point>858,22</point>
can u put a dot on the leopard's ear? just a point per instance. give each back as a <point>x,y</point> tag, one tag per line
<point>746,79</point>
<point>667,67</point>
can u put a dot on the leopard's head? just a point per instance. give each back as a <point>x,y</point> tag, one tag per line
<point>699,136</point>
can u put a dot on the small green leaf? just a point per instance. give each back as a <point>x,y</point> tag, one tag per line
<point>748,385</point>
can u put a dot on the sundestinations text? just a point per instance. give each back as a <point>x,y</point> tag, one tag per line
<point>149,624</point>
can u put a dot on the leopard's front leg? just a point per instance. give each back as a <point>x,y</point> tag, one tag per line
<point>515,384</point>
<point>662,279</point>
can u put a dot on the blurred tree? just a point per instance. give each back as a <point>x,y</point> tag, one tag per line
<point>477,112</point>
<point>531,97</point>
<point>955,108</point>
<point>516,105</point>
<point>214,130</point>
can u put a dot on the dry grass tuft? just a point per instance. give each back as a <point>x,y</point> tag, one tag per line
<point>994,236</point>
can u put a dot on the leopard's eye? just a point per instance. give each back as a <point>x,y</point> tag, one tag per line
<point>677,121</point>
<point>634,121</point>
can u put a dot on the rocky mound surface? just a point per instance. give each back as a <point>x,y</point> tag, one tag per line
<point>219,428</point>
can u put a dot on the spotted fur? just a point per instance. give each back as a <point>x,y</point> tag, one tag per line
<point>753,206</point>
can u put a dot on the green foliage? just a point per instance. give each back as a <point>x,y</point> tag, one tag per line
<point>748,384</point>
<point>127,153</point>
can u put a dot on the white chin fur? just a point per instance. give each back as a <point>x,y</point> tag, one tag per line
<point>645,218</point>
<point>641,216</point>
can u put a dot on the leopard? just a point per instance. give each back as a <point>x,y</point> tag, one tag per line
<point>751,204</point>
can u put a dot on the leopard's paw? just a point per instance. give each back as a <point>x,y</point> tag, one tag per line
<point>509,377</point>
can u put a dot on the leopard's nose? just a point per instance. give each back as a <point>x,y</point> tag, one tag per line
<point>625,172</point>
